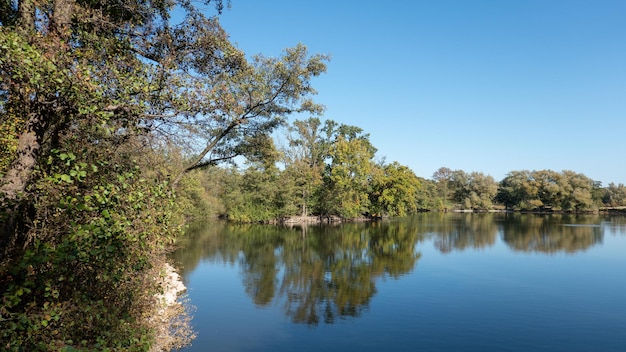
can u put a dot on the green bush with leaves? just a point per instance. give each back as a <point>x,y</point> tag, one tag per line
<point>92,93</point>
<point>82,282</point>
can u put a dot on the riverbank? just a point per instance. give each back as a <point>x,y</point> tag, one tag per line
<point>333,219</point>
<point>171,320</point>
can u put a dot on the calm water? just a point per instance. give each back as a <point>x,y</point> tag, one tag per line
<point>434,282</point>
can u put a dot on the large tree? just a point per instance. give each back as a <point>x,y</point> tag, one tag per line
<point>129,68</point>
<point>243,108</point>
<point>89,90</point>
<point>304,160</point>
<point>348,172</point>
<point>394,190</point>
<point>442,177</point>
<point>547,190</point>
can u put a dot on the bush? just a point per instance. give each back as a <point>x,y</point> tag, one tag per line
<point>84,279</point>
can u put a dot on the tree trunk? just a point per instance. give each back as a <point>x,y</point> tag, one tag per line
<point>196,162</point>
<point>17,211</point>
<point>304,199</point>
<point>61,18</point>
<point>18,175</point>
<point>26,16</point>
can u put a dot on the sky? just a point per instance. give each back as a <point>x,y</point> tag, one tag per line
<point>474,85</point>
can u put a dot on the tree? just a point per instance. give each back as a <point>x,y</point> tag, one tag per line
<point>255,193</point>
<point>474,190</point>
<point>577,191</point>
<point>394,190</point>
<point>458,185</point>
<point>547,190</point>
<point>442,177</point>
<point>614,195</point>
<point>249,105</point>
<point>482,191</point>
<point>428,195</point>
<point>82,229</point>
<point>304,160</point>
<point>519,190</point>
<point>347,178</point>
<point>90,93</point>
<point>550,191</point>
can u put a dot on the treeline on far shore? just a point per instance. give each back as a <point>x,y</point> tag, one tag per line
<point>328,170</point>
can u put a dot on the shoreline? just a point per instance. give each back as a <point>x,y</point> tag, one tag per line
<point>312,220</point>
<point>171,319</point>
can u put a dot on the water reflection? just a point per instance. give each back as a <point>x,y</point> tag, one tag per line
<point>463,231</point>
<point>319,273</point>
<point>552,233</point>
<point>548,233</point>
<point>615,223</point>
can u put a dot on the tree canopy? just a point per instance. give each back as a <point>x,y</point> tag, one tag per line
<point>104,105</point>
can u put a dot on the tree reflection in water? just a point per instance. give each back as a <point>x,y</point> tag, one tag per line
<point>544,233</point>
<point>552,233</point>
<point>462,231</point>
<point>321,274</point>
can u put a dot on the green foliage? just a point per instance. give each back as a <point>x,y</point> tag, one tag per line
<point>467,191</point>
<point>248,104</point>
<point>394,191</point>
<point>254,195</point>
<point>547,190</point>
<point>428,196</point>
<point>328,170</point>
<point>86,89</point>
<point>442,178</point>
<point>198,194</point>
<point>79,283</point>
<point>474,191</point>
<point>304,162</point>
<point>614,195</point>
<point>347,179</point>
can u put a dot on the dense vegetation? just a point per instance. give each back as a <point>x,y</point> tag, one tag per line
<point>328,169</point>
<point>99,101</point>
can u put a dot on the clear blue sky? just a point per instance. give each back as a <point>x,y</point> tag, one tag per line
<point>488,86</point>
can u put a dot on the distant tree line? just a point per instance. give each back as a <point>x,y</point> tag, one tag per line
<point>537,190</point>
<point>328,169</point>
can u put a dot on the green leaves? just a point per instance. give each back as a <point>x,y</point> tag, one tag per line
<point>72,171</point>
<point>394,191</point>
<point>547,190</point>
<point>328,170</point>
<point>247,104</point>
<point>102,226</point>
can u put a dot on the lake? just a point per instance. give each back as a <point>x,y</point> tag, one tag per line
<point>432,282</point>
